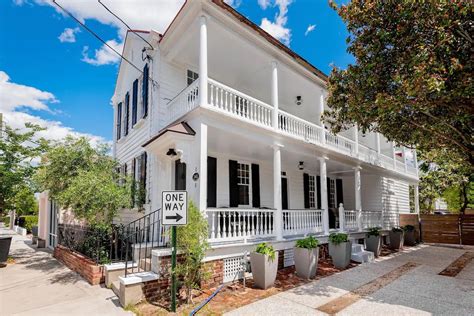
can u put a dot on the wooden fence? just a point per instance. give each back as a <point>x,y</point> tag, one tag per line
<point>447,229</point>
<point>411,219</point>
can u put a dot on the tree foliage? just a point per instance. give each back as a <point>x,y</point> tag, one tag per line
<point>24,201</point>
<point>18,150</point>
<point>412,80</point>
<point>83,178</point>
<point>192,244</point>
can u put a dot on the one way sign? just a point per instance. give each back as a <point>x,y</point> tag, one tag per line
<point>174,206</point>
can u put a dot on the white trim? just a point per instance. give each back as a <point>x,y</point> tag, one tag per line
<point>138,278</point>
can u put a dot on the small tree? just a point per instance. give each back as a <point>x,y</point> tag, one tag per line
<point>84,178</point>
<point>192,244</point>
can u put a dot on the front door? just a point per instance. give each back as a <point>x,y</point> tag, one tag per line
<point>180,175</point>
<point>284,193</point>
<point>53,225</point>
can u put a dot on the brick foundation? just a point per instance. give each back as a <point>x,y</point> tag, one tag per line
<point>88,269</point>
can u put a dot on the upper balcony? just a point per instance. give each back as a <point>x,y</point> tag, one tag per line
<point>251,79</point>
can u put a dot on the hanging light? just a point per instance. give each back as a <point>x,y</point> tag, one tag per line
<point>301,165</point>
<point>299,100</point>
<point>171,152</point>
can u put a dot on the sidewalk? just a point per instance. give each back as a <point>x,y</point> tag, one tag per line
<point>407,283</point>
<point>37,284</point>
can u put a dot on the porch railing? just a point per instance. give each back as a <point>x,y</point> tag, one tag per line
<point>371,219</point>
<point>240,224</point>
<point>237,104</point>
<point>350,220</point>
<point>302,222</point>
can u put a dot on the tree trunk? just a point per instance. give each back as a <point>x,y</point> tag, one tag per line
<point>464,200</point>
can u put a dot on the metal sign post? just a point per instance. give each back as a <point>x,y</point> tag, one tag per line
<point>174,213</point>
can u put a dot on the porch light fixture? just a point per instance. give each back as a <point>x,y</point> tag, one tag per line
<point>298,100</point>
<point>301,165</point>
<point>171,152</point>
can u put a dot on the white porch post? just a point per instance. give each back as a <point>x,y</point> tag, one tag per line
<point>277,191</point>
<point>356,138</point>
<point>415,159</point>
<point>394,156</point>
<point>203,168</point>
<point>275,94</point>
<point>342,219</point>
<point>358,198</point>
<point>321,112</point>
<point>416,197</point>
<point>324,194</point>
<point>203,60</point>
<point>405,159</point>
<point>377,142</point>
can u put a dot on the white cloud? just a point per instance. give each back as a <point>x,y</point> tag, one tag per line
<point>277,28</point>
<point>233,3</point>
<point>20,2</point>
<point>15,99</point>
<point>69,35</point>
<point>143,14</point>
<point>103,55</point>
<point>310,28</point>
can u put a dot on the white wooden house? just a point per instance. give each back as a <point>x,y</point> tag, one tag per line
<point>233,116</point>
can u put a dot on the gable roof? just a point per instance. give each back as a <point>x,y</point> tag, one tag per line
<point>178,128</point>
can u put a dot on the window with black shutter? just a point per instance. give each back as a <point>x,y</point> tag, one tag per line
<point>255,185</point>
<point>145,91</point>
<point>119,120</point>
<point>233,184</point>
<point>339,192</point>
<point>318,192</point>
<point>127,113</point>
<point>143,164</point>
<point>133,185</point>
<point>134,102</point>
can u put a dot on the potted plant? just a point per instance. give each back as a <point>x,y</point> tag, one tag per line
<point>264,265</point>
<point>340,250</point>
<point>396,238</point>
<point>5,242</point>
<point>374,242</point>
<point>306,257</point>
<point>409,237</point>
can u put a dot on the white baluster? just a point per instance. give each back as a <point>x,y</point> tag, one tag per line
<point>213,235</point>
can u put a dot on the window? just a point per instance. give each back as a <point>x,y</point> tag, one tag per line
<point>127,113</point>
<point>243,183</point>
<point>119,120</point>
<point>145,81</point>
<point>134,102</point>
<point>191,76</point>
<point>312,191</point>
<point>332,193</point>
<point>139,166</point>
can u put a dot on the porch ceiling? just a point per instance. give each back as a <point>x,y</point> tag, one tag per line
<point>240,64</point>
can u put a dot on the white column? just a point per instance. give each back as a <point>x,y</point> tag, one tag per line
<point>358,197</point>
<point>394,156</point>
<point>321,112</point>
<point>203,168</point>
<point>356,138</point>
<point>203,60</point>
<point>341,217</point>
<point>275,94</point>
<point>377,142</point>
<point>324,194</point>
<point>277,191</point>
<point>405,159</point>
<point>415,159</point>
<point>417,199</point>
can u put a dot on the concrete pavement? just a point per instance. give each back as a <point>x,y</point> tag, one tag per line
<point>37,284</point>
<point>419,291</point>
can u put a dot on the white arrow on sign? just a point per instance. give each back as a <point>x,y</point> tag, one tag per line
<point>174,208</point>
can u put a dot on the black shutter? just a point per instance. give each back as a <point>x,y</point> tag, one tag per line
<point>306,189</point>
<point>119,120</point>
<point>339,192</point>
<point>328,186</point>
<point>145,91</point>
<point>211,182</point>
<point>143,172</point>
<point>127,112</point>
<point>255,185</point>
<point>180,175</point>
<point>133,187</point>
<point>134,102</point>
<point>233,187</point>
<point>318,191</point>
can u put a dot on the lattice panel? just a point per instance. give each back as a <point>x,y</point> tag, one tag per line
<point>232,267</point>
<point>288,257</point>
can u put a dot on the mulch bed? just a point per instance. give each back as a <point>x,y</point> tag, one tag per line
<point>458,265</point>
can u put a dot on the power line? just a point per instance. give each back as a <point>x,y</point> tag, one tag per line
<point>115,15</point>
<point>102,41</point>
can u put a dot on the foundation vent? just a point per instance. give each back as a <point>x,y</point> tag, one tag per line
<point>233,269</point>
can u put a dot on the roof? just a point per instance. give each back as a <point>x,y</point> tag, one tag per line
<point>179,128</point>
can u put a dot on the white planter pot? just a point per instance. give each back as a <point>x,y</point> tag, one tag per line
<point>340,254</point>
<point>306,262</point>
<point>264,270</point>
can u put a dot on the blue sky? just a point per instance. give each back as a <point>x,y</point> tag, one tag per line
<point>58,75</point>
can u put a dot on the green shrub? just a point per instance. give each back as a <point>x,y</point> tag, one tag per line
<point>374,231</point>
<point>6,220</point>
<point>409,228</point>
<point>338,238</point>
<point>397,229</point>
<point>266,249</point>
<point>28,222</point>
<point>309,243</point>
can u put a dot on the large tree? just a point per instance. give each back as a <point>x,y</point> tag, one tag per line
<point>412,77</point>
<point>83,178</point>
<point>19,148</point>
